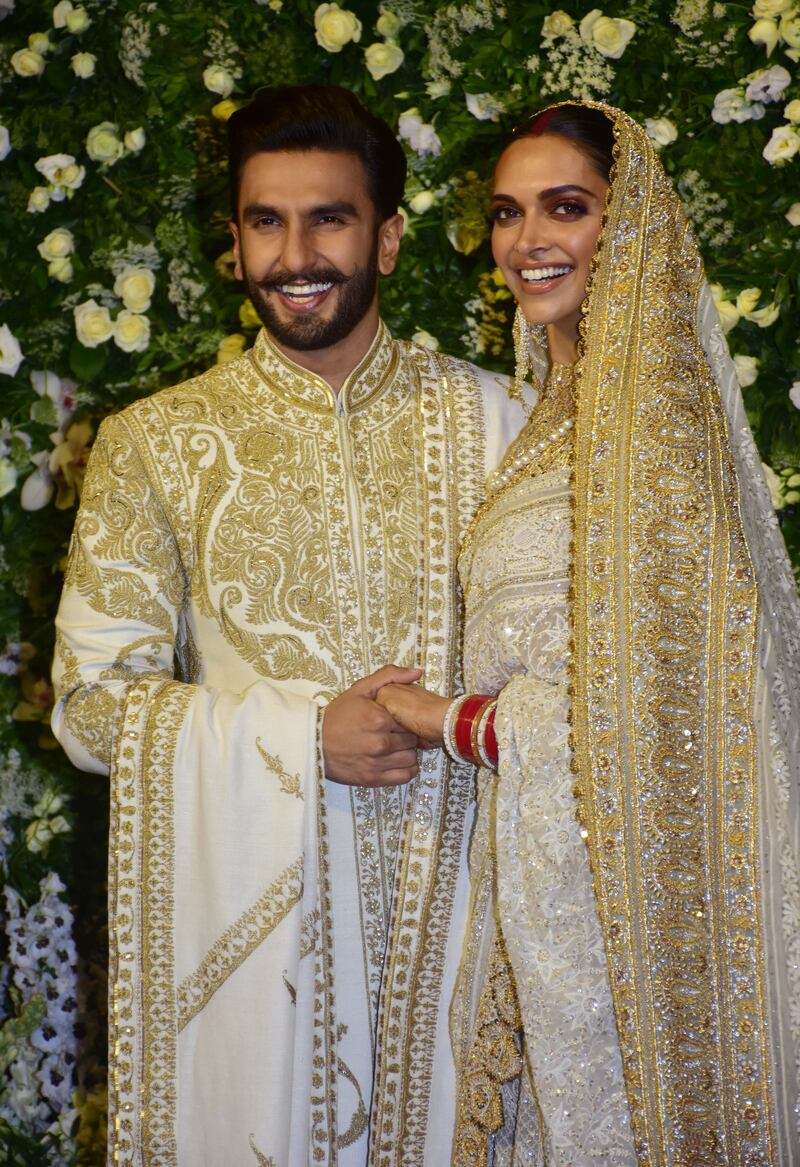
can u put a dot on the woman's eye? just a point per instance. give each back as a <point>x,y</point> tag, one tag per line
<point>569,208</point>
<point>502,214</point>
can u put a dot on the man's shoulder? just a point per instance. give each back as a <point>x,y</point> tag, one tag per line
<point>211,384</point>
<point>490,383</point>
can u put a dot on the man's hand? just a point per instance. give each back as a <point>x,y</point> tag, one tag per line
<point>362,744</point>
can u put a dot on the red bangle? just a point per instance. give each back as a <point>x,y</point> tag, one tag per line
<point>490,739</point>
<point>468,718</point>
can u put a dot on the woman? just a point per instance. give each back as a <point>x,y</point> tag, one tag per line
<point>635,857</point>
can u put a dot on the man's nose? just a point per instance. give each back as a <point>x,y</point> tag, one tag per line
<point>297,252</point>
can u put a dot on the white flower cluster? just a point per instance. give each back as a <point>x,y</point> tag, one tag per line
<point>134,286</point>
<point>63,175</point>
<point>32,60</point>
<point>104,145</point>
<point>185,291</point>
<point>420,135</point>
<point>42,959</point>
<point>225,70</point>
<point>706,210</point>
<point>449,26</point>
<point>134,45</point>
<point>776,22</point>
<point>579,56</point>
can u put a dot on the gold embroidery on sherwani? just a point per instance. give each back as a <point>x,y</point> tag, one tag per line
<point>665,617</point>
<point>239,941</point>
<point>290,783</point>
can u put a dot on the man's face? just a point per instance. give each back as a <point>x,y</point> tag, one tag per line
<point>309,245</point>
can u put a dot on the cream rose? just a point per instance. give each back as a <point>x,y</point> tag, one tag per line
<point>746,370</point>
<point>764,32</point>
<point>382,59</point>
<point>388,24</point>
<point>422,201</point>
<point>218,80</point>
<point>608,35</point>
<point>134,286</point>
<point>660,131</point>
<point>82,65</point>
<point>57,244</point>
<point>131,332</point>
<point>60,13</point>
<point>557,24</point>
<point>783,145</point>
<point>335,27</point>
<point>792,111</point>
<point>793,214</point>
<point>10,353</point>
<point>789,30</point>
<point>27,63</point>
<point>38,200</point>
<point>230,347</point>
<point>78,20</point>
<point>425,339</point>
<point>770,8</point>
<point>39,42</point>
<point>135,140</point>
<point>728,312</point>
<point>747,300</point>
<point>764,317</point>
<point>103,144</point>
<point>93,324</point>
<point>60,269</point>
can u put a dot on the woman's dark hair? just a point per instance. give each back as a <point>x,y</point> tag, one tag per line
<point>589,130</point>
<point>318,117</point>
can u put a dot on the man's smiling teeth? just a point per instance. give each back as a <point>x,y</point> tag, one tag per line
<point>303,291</point>
<point>537,274</point>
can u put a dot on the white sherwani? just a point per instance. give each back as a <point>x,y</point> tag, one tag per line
<point>249,545</point>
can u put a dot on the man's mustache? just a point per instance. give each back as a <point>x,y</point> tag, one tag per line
<point>325,275</point>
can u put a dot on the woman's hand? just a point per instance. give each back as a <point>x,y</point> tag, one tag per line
<point>418,710</point>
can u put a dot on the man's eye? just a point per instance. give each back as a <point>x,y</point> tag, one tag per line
<point>330,219</point>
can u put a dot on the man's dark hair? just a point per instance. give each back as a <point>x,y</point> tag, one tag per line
<point>318,117</point>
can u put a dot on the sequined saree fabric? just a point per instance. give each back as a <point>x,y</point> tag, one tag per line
<point>646,808</point>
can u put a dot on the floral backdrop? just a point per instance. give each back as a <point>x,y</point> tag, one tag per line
<point>116,279</point>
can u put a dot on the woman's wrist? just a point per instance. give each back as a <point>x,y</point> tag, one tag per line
<point>468,731</point>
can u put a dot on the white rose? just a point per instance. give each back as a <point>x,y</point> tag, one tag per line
<point>38,200</point>
<point>10,353</point>
<point>792,111</point>
<point>39,42</point>
<point>793,214</point>
<point>82,65</point>
<point>60,269</point>
<point>57,244</point>
<point>135,140</point>
<point>93,324</point>
<point>218,80</point>
<point>767,84</point>
<point>794,394</point>
<point>422,201</point>
<point>484,107</point>
<point>660,131</point>
<point>103,145</point>
<point>728,312</point>
<point>26,63</point>
<point>8,476</point>
<point>382,59</point>
<point>557,24</point>
<point>763,317</point>
<point>335,27</point>
<point>764,32</point>
<point>60,13</point>
<point>388,24</point>
<point>425,339</point>
<point>770,8</point>
<point>134,286</point>
<point>436,89</point>
<point>78,20</point>
<point>607,34</point>
<point>746,370</point>
<point>5,143</point>
<point>789,30</point>
<point>747,300</point>
<point>131,332</point>
<point>783,145</point>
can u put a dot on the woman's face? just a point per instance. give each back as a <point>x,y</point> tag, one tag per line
<point>548,204</point>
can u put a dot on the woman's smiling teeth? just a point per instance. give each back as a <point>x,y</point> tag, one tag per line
<point>539,274</point>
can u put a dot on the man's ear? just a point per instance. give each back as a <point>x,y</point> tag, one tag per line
<point>237,250</point>
<point>389,235</point>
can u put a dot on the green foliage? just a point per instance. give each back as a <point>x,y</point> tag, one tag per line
<point>157,199</point>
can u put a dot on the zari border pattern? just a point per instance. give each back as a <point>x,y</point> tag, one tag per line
<point>665,608</point>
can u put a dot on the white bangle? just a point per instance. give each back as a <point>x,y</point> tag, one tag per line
<point>448,728</point>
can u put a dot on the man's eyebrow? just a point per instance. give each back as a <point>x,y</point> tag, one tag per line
<point>546,194</point>
<point>342,207</point>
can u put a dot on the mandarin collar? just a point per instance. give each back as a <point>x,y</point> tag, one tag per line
<point>297,385</point>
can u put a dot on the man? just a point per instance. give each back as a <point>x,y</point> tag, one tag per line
<point>282,878</point>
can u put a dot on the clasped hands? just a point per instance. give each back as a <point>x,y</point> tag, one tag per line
<point>372,731</point>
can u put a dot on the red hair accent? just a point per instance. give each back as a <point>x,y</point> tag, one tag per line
<point>539,126</point>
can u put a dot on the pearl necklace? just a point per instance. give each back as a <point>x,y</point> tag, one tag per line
<point>506,472</point>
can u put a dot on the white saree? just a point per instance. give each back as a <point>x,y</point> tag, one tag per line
<point>247,546</point>
<point>636,863</point>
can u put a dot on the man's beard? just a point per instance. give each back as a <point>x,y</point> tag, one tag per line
<point>304,333</point>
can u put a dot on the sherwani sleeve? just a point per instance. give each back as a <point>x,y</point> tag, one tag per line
<point>214,802</point>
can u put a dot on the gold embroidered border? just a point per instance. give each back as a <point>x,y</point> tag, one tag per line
<point>239,941</point>
<point>665,610</point>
